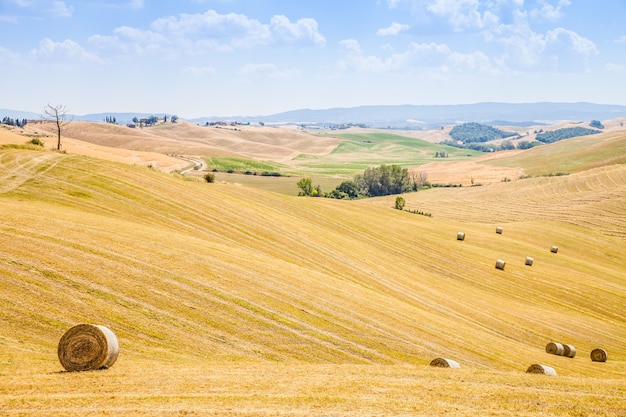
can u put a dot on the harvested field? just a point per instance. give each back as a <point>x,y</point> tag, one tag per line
<point>592,199</point>
<point>230,300</point>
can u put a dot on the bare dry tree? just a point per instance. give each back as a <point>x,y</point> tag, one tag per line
<point>57,114</point>
<point>418,178</point>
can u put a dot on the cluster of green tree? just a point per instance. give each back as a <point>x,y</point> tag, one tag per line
<point>375,181</point>
<point>565,133</point>
<point>524,144</point>
<point>14,122</point>
<point>152,120</point>
<point>110,119</point>
<point>383,180</point>
<point>476,132</point>
<point>596,124</point>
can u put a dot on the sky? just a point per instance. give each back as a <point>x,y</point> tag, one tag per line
<point>198,58</point>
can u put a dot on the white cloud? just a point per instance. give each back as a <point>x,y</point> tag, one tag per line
<point>136,4</point>
<point>170,37</point>
<point>68,49</point>
<point>269,71</point>
<point>129,40</point>
<point>139,36</point>
<point>232,28</point>
<point>199,71</point>
<point>9,58</point>
<point>611,67</point>
<point>563,37</point>
<point>232,31</point>
<point>621,39</point>
<point>303,30</point>
<point>60,9</point>
<point>525,49</point>
<point>351,45</point>
<point>463,14</point>
<point>549,11</point>
<point>394,29</point>
<point>429,57</point>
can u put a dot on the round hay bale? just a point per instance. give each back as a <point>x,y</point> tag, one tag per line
<point>569,351</point>
<point>444,363</point>
<point>541,369</point>
<point>554,249</point>
<point>87,347</point>
<point>460,236</point>
<point>599,355</point>
<point>554,348</point>
<point>500,264</point>
<point>499,230</point>
<point>529,261</point>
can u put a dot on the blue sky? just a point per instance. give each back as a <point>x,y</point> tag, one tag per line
<point>258,57</point>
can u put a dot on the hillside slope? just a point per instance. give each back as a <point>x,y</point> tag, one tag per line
<point>186,271</point>
<point>564,157</point>
<point>189,139</point>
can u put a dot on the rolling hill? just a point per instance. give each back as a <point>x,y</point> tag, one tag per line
<point>395,116</point>
<point>307,306</point>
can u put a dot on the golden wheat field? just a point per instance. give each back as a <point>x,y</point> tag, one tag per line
<point>229,300</point>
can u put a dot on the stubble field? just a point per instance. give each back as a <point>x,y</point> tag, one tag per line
<point>230,300</point>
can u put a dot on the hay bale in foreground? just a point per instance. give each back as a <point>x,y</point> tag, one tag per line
<point>569,351</point>
<point>460,236</point>
<point>499,230</point>
<point>554,348</point>
<point>529,261</point>
<point>599,355</point>
<point>500,264</point>
<point>87,347</point>
<point>554,249</point>
<point>541,369</point>
<point>444,363</point>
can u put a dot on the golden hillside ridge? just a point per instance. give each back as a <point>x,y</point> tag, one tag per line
<point>183,138</point>
<point>231,279</point>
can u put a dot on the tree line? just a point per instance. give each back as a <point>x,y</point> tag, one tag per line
<point>14,122</point>
<point>565,133</point>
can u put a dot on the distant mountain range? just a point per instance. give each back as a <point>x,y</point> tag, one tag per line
<point>400,116</point>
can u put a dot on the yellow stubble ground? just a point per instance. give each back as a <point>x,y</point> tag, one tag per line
<point>232,301</point>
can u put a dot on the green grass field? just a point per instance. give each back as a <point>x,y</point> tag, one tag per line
<point>358,151</point>
<point>230,299</point>
<point>242,165</point>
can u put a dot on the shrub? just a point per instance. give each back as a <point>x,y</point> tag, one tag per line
<point>596,124</point>
<point>36,141</point>
<point>210,177</point>
<point>400,203</point>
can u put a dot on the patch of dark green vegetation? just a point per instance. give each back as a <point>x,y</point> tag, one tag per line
<point>476,132</point>
<point>565,133</point>
<point>475,136</point>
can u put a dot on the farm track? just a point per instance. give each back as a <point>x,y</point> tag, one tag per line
<point>16,171</point>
